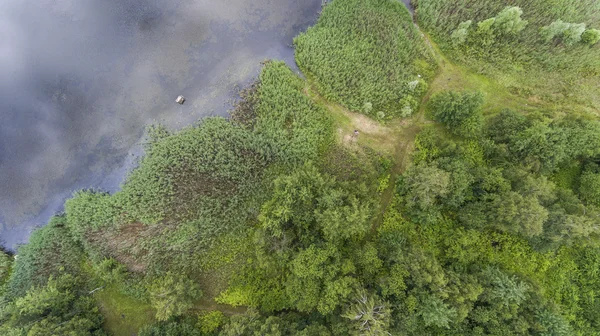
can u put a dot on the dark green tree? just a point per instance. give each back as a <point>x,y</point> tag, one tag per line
<point>589,188</point>
<point>460,112</point>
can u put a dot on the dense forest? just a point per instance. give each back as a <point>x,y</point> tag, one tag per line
<point>435,174</point>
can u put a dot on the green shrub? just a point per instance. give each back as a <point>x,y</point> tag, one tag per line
<point>590,36</point>
<point>211,321</point>
<point>460,112</point>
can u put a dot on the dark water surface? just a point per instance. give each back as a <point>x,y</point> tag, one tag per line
<point>409,6</point>
<point>81,79</point>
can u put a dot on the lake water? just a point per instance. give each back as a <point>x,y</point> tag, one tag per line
<point>81,79</point>
<point>408,5</point>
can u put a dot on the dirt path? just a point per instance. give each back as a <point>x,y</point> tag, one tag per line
<point>405,140</point>
<point>395,139</point>
<point>401,162</point>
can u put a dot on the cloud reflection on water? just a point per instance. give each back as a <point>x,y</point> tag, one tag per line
<point>81,79</point>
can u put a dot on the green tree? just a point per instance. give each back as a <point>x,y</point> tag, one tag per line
<point>543,146</point>
<point>184,327</point>
<point>210,322</point>
<point>504,289</point>
<point>435,312</point>
<point>509,20</point>
<point>342,215</point>
<point>51,251</point>
<point>485,32</point>
<point>460,35</point>
<point>52,309</point>
<point>573,34</point>
<point>424,186</point>
<point>553,324</point>
<point>173,295</point>
<point>318,280</point>
<point>568,33</point>
<point>460,112</point>
<point>515,213</point>
<point>589,188</point>
<point>110,271</point>
<point>308,206</point>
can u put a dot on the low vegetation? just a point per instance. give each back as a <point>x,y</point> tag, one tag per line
<point>367,56</point>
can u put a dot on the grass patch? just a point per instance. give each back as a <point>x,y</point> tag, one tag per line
<point>123,315</point>
<point>384,138</point>
<point>453,77</point>
<point>497,95</point>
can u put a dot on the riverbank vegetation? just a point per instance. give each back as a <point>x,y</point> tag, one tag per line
<point>367,56</point>
<point>308,212</point>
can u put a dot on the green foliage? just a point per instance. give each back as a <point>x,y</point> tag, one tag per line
<point>51,251</point>
<point>568,33</point>
<point>253,324</point>
<point>435,312</point>
<point>6,262</point>
<point>460,112</point>
<point>303,258</point>
<point>553,324</point>
<point>203,181</point>
<point>180,168</point>
<point>183,327</point>
<point>460,35</point>
<point>589,188</point>
<point>492,230</point>
<point>544,144</point>
<point>362,53</point>
<point>508,212</point>
<point>211,321</point>
<point>590,36</point>
<point>89,209</point>
<point>288,123</point>
<point>173,295</point>
<point>450,243</point>
<point>509,21</point>
<point>424,185</point>
<point>52,309</point>
<point>110,271</point>
<point>496,181</point>
<point>504,290</point>
<point>312,201</point>
<point>317,280</point>
<point>505,24</point>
